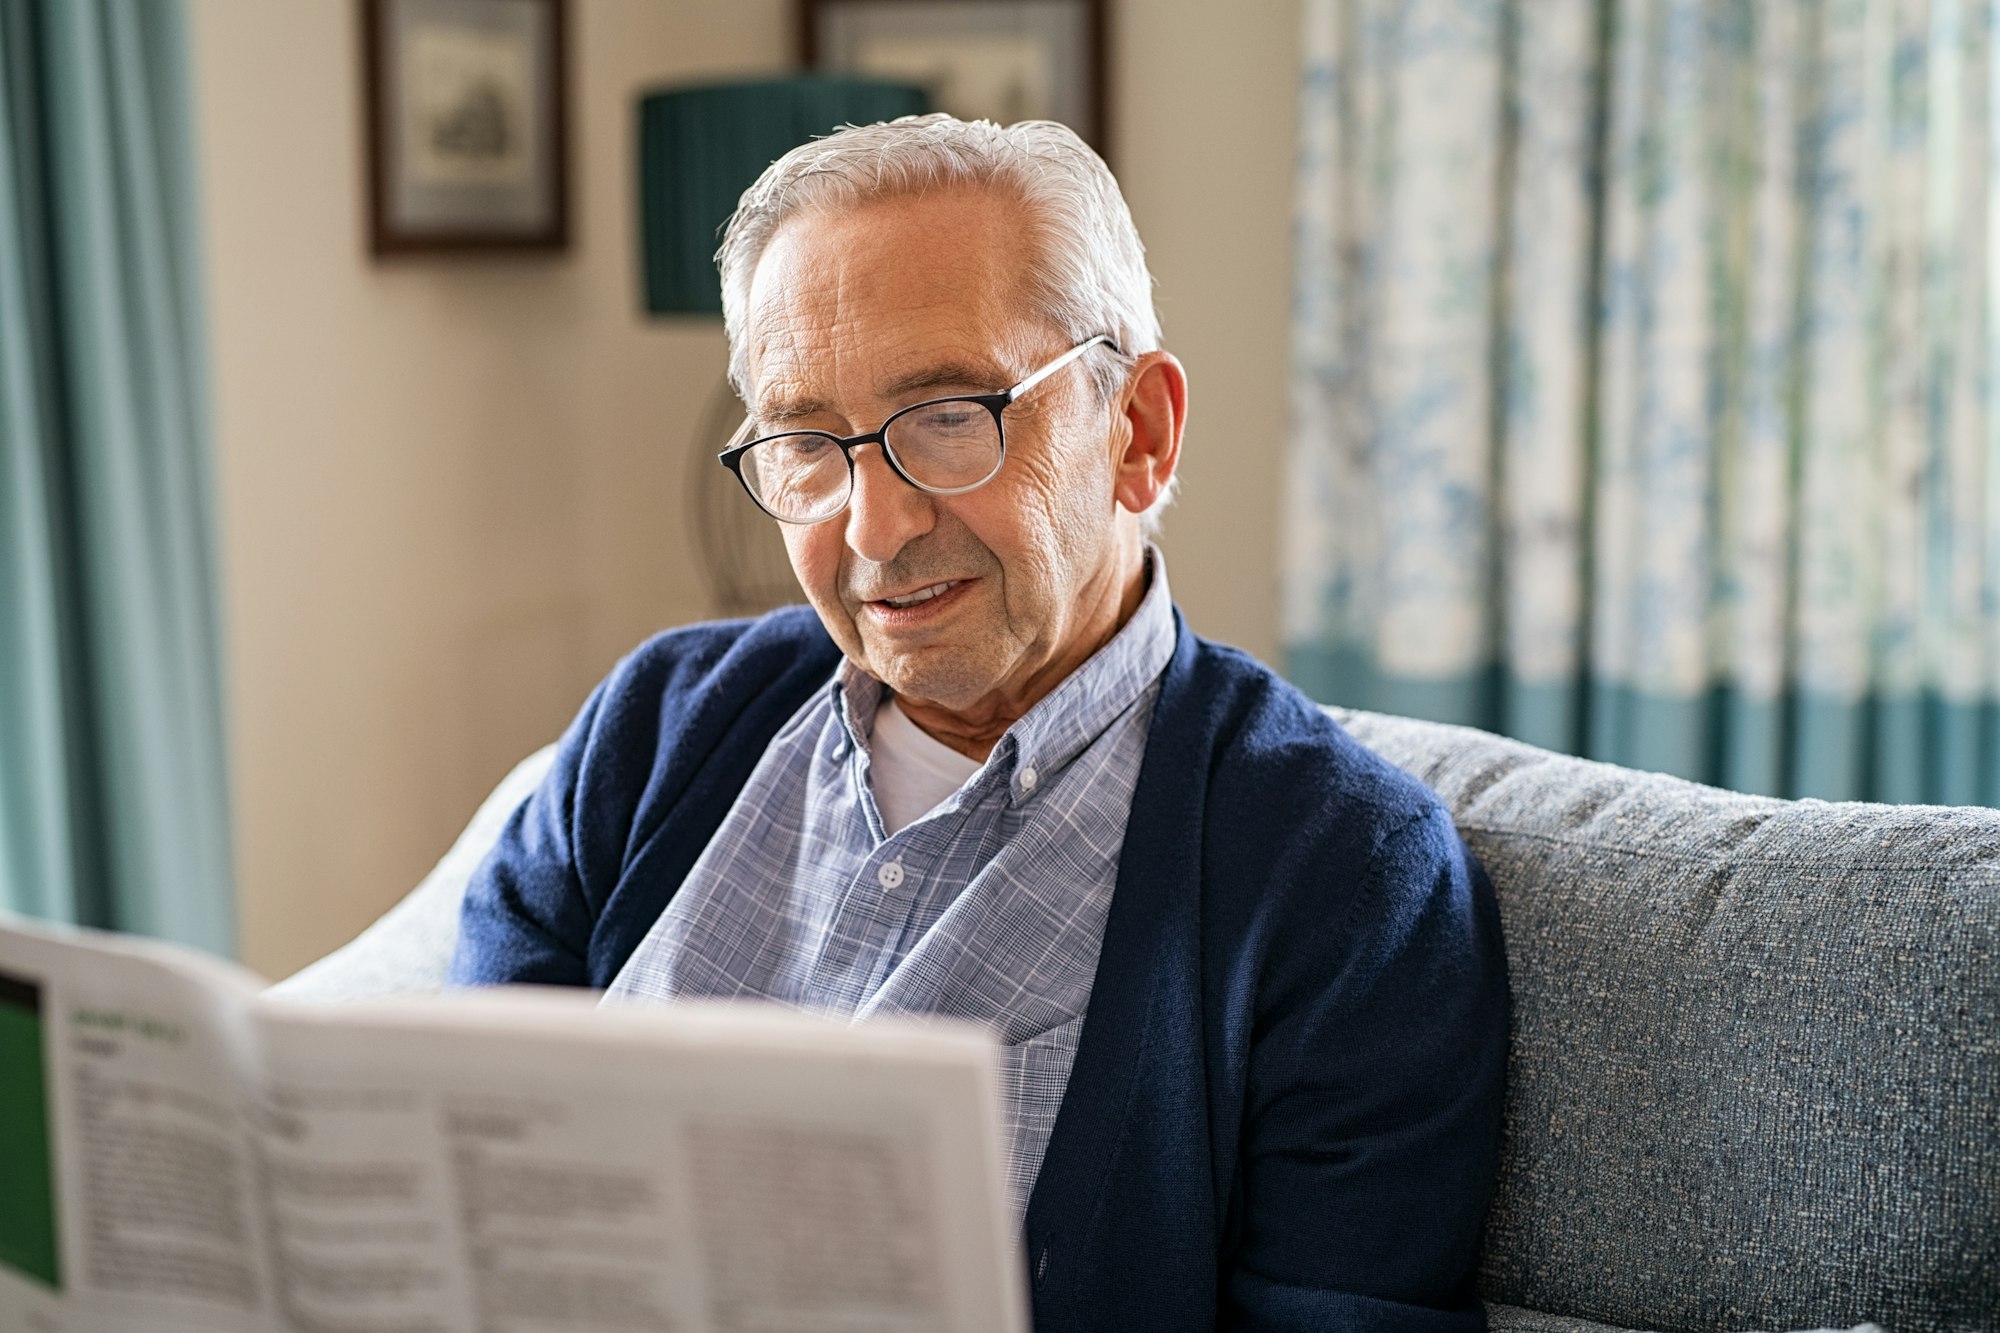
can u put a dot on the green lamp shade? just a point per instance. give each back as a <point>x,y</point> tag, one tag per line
<point>701,148</point>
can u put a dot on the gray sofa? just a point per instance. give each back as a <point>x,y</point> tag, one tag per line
<point>1755,1078</point>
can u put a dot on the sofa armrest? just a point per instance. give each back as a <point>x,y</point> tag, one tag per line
<point>408,951</point>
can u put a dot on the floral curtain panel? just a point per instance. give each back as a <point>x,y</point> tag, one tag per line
<point>1643,354</point>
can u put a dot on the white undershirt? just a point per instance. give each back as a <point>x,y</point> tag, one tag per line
<point>912,774</point>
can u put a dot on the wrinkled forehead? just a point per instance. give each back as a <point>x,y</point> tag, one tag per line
<point>844,303</point>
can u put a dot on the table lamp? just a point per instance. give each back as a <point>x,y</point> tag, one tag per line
<point>701,147</point>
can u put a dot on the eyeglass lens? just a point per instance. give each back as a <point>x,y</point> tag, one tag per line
<point>944,446</point>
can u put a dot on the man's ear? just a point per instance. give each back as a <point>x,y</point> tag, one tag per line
<point>1155,407</point>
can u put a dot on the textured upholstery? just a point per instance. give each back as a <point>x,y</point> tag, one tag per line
<point>1513,1319</point>
<point>1756,1063</point>
<point>1756,1058</point>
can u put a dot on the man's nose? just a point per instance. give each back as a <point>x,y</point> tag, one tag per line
<point>885,512</point>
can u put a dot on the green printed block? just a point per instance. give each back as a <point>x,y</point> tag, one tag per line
<point>27,1154</point>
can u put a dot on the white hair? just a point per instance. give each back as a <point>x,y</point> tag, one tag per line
<point>1087,275</point>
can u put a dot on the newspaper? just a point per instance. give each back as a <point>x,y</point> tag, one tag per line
<point>178,1153</point>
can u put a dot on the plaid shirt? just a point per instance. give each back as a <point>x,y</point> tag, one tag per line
<point>990,908</point>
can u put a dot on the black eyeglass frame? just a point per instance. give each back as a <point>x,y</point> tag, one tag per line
<point>732,456</point>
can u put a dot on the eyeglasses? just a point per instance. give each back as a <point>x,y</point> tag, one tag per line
<point>946,446</point>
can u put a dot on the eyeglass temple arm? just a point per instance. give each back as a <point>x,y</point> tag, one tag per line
<point>742,434</point>
<point>1057,364</point>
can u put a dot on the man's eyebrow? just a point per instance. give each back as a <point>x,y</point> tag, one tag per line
<point>942,375</point>
<point>946,375</point>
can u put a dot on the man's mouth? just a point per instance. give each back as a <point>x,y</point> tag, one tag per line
<point>920,595</point>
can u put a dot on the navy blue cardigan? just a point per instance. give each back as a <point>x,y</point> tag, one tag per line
<point>1285,1108</point>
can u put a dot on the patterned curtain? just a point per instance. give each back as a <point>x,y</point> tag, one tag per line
<point>1642,369</point>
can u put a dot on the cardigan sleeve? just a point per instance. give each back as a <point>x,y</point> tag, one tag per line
<point>1373,1099</point>
<point>655,757</point>
<point>525,918</point>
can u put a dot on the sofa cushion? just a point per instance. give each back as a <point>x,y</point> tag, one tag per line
<point>1756,1045</point>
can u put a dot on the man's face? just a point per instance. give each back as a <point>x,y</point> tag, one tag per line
<point>855,314</point>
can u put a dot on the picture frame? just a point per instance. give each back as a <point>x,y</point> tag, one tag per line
<point>1000,60</point>
<point>467,123</point>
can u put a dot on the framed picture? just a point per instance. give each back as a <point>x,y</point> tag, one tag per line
<point>466,124</point>
<point>1000,60</point>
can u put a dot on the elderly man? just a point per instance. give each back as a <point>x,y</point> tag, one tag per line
<point>1248,980</point>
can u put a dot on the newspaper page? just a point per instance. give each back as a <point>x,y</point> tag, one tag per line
<point>176,1153</point>
<point>127,1172</point>
<point>527,1162</point>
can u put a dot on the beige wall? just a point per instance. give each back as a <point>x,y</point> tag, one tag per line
<point>1202,144</point>
<point>450,489</point>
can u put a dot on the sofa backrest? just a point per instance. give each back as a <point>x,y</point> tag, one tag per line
<point>1755,1075</point>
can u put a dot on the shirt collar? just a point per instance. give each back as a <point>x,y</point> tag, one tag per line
<point>1043,741</point>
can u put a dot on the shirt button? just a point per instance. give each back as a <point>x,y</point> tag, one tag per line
<point>889,874</point>
<point>1028,779</point>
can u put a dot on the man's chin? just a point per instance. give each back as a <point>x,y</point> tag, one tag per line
<point>938,678</point>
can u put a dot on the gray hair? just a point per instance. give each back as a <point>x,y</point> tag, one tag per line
<point>1088,275</point>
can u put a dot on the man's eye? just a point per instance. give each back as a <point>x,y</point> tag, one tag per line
<point>946,420</point>
<point>802,446</point>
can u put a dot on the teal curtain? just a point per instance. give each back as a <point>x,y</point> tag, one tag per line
<point>113,803</point>
<point>1642,376</point>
